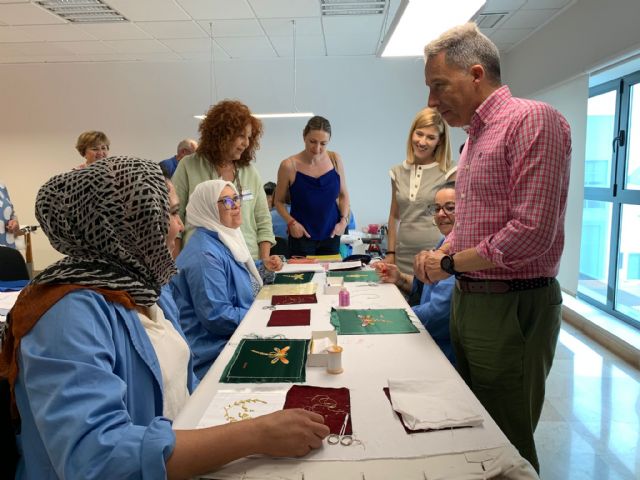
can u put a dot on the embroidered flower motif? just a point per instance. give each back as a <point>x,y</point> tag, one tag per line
<point>278,355</point>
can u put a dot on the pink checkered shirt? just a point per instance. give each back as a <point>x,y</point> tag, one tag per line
<point>511,187</point>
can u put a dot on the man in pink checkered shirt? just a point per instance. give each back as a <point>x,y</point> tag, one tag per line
<point>511,194</point>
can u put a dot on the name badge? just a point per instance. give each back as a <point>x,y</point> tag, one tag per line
<point>247,194</point>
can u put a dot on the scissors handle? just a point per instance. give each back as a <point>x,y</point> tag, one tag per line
<point>333,439</point>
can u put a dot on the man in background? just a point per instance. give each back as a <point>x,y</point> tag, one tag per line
<point>185,147</point>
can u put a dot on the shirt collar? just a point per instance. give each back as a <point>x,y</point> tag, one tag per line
<point>490,107</point>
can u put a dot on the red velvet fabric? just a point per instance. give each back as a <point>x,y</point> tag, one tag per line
<point>293,299</point>
<point>332,403</point>
<point>289,318</point>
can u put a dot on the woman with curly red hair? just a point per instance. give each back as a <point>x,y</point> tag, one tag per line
<point>229,138</point>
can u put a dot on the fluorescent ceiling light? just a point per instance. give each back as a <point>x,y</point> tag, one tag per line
<point>283,115</point>
<point>417,22</point>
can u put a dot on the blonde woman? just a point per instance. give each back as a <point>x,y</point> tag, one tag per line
<point>413,186</point>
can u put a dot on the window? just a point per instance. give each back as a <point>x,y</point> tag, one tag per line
<point>610,248</point>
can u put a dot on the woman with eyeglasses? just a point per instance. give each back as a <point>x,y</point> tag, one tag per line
<point>427,164</point>
<point>92,146</point>
<point>229,138</point>
<point>217,278</point>
<point>432,301</point>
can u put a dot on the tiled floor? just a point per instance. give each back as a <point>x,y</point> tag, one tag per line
<point>590,424</point>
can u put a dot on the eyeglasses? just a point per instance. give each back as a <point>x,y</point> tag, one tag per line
<point>449,208</point>
<point>231,202</point>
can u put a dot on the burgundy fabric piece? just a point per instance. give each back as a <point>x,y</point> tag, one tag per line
<point>332,403</point>
<point>290,318</point>
<point>293,299</point>
<point>406,429</point>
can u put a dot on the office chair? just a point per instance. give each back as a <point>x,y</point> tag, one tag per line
<point>12,265</point>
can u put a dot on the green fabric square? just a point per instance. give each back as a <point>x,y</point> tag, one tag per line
<point>356,275</point>
<point>267,360</point>
<point>371,321</point>
<point>288,278</point>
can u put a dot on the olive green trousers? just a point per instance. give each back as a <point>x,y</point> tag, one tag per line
<point>504,345</point>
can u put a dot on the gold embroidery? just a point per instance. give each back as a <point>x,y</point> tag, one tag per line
<point>369,320</point>
<point>276,355</point>
<point>245,411</point>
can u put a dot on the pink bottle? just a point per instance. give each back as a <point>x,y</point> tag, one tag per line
<point>343,298</point>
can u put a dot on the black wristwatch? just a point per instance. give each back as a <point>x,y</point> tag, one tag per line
<point>447,265</point>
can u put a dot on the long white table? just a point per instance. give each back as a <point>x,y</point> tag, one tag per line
<point>369,361</point>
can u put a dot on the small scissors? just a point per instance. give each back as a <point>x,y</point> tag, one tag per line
<point>269,307</point>
<point>341,438</point>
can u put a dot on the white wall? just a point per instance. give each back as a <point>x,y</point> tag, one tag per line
<point>146,108</point>
<point>553,66</point>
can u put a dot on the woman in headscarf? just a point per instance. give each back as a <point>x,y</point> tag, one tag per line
<point>94,352</point>
<point>217,279</point>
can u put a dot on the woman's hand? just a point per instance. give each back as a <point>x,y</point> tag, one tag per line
<point>272,263</point>
<point>340,227</point>
<point>388,272</point>
<point>296,230</point>
<point>389,258</point>
<point>13,227</point>
<point>290,433</point>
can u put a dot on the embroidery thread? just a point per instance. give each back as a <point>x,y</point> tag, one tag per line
<point>277,355</point>
<point>245,411</point>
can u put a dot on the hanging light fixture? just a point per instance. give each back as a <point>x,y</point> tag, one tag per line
<point>295,113</point>
<point>212,84</point>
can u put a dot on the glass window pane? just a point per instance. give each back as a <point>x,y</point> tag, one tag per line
<point>632,178</point>
<point>594,250</point>
<point>628,283</point>
<point>601,114</point>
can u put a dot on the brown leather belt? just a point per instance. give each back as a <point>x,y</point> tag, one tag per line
<point>501,286</point>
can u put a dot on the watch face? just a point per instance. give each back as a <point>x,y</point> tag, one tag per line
<point>446,264</point>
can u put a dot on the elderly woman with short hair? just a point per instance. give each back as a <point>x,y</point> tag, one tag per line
<point>92,145</point>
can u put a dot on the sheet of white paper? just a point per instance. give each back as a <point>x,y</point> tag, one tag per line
<point>344,265</point>
<point>302,267</point>
<point>229,406</point>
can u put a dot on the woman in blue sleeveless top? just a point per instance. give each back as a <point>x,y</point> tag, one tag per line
<point>315,183</point>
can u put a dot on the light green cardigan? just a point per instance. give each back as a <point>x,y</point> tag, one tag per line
<point>256,218</point>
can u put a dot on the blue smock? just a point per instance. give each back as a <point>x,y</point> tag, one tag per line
<point>213,292</point>
<point>89,392</point>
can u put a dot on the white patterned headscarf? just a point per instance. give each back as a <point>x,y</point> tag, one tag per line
<point>111,220</point>
<point>202,211</point>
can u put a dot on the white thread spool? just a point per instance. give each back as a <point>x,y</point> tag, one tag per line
<point>334,362</point>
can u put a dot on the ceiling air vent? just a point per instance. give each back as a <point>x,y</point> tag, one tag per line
<point>489,20</point>
<point>352,7</point>
<point>82,11</point>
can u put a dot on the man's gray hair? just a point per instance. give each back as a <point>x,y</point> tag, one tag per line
<point>464,46</point>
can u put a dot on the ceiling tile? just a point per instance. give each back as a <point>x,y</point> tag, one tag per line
<point>26,14</point>
<point>306,46</point>
<point>528,18</point>
<point>195,45</point>
<point>541,4</point>
<point>503,5</point>
<point>339,33</point>
<point>187,29</point>
<point>216,9</point>
<point>115,31</point>
<point>15,34</point>
<point>15,1</point>
<point>233,28</point>
<point>286,8</point>
<point>510,35</point>
<point>283,26</point>
<point>137,46</point>
<point>149,10</point>
<point>247,47</point>
<point>158,57</point>
<point>86,48</point>
<point>41,48</point>
<point>53,33</point>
